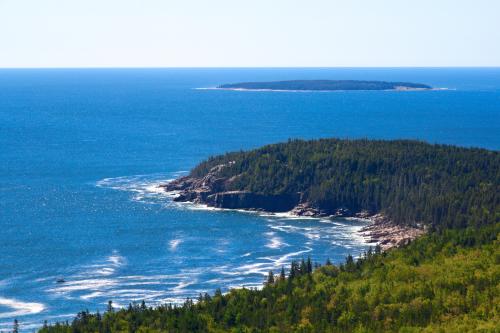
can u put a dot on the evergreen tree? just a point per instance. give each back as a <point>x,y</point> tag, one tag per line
<point>270,277</point>
<point>110,307</point>
<point>309,265</point>
<point>303,267</point>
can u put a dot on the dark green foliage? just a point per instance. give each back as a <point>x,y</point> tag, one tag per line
<point>439,283</point>
<point>409,181</point>
<point>324,85</point>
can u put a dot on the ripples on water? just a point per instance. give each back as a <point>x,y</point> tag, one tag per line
<point>67,134</point>
<point>219,260</point>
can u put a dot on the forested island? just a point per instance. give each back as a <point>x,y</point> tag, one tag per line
<point>325,85</point>
<point>446,280</point>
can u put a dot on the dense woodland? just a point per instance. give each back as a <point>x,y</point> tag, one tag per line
<point>446,281</point>
<point>411,182</point>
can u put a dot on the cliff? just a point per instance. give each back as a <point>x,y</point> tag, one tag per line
<point>211,191</point>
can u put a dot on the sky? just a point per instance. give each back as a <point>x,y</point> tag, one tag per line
<point>256,33</point>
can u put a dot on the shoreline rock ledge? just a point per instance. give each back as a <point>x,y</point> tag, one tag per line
<point>212,190</point>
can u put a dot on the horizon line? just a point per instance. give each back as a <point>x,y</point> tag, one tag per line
<point>250,67</point>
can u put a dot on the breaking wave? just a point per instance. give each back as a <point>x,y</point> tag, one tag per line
<point>19,308</point>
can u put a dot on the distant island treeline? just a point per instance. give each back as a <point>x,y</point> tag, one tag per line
<point>325,85</point>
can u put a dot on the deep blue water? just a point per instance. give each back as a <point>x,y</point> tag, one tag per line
<point>82,151</point>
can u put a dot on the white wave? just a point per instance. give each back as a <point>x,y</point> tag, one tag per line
<point>217,282</point>
<point>106,268</point>
<point>90,296</point>
<point>145,188</point>
<point>181,287</point>
<point>313,235</point>
<point>19,308</point>
<point>289,216</point>
<point>310,233</point>
<point>134,294</point>
<point>274,242</point>
<point>242,272</point>
<point>279,261</point>
<point>4,282</point>
<point>148,283</point>
<point>155,188</point>
<point>48,278</point>
<point>95,278</point>
<point>150,277</point>
<point>290,228</point>
<point>105,271</point>
<point>24,326</point>
<point>332,222</point>
<point>339,231</point>
<point>84,285</point>
<point>174,243</point>
<point>255,268</point>
<point>172,300</point>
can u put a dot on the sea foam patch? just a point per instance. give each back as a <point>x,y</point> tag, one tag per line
<point>274,242</point>
<point>145,188</point>
<point>19,308</point>
<point>174,243</point>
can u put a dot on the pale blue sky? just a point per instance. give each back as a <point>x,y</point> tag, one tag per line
<point>232,33</point>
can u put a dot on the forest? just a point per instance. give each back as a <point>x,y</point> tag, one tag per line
<point>445,281</point>
<point>411,182</point>
<point>442,282</point>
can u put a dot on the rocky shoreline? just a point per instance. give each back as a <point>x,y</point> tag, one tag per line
<point>212,190</point>
<point>387,234</point>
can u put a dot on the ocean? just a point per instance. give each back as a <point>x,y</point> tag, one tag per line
<point>83,150</point>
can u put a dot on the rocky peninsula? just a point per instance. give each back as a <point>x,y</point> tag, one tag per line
<point>400,185</point>
<point>210,190</point>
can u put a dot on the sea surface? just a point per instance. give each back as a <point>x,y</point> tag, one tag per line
<point>82,153</point>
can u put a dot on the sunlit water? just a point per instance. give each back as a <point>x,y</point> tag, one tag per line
<point>82,153</point>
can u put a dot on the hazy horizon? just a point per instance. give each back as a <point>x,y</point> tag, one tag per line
<point>255,67</point>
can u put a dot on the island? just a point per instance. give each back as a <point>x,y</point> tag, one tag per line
<point>324,85</point>
<point>444,280</point>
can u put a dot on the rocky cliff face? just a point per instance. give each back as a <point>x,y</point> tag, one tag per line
<point>212,190</point>
<point>248,200</point>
